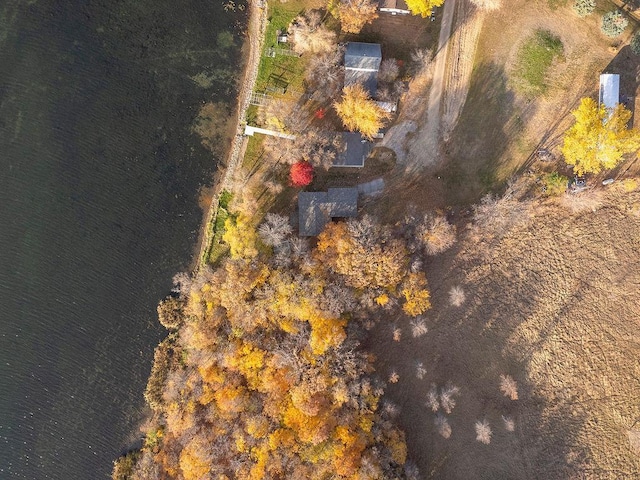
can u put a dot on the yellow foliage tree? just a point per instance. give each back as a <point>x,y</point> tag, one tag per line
<point>193,462</point>
<point>599,138</point>
<point>358,112</point>
<point>378,265</point>
<point>355,14</point>
<point>241,236</point>
<point>416,295</point>
<point>423,7</point>
<point>326,333</point>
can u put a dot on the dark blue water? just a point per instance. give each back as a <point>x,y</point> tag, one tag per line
<point>99,177</point>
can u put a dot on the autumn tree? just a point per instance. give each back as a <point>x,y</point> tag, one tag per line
<point>301,174</point>
<point>599,138</point>
<point>309,35</point>
<point>241,236</point>
<point>355,14</point>
<point>358,112</point>
<point>423,7</point>
<point>325,74</point>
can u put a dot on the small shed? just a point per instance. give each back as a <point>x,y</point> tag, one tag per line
<point>361,65</point>
<point>394,7</point>
<point>316,209</point>
<point>609,90</point>
<point>355,149</point>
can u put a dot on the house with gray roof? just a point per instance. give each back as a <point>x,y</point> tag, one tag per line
<point>361,65</point>
<point>355,149</point>
<point>316,209</point>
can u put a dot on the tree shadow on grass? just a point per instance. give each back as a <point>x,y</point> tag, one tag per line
<point>469,346</point>
<point>488,123</point>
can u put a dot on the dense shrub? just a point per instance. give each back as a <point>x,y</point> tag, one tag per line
<point>614,23</point>
<point>584,7</point>
<point>170,313</point>
<point>635,44</point>
<point>554,184</point>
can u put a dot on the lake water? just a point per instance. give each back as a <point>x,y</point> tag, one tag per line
<point>99,178</point>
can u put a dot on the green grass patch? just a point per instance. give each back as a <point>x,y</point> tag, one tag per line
<point>534,59</point>
<point>254,152</point>
<point>554,184</point>
<point>218,248</point>
<point>280,71</point>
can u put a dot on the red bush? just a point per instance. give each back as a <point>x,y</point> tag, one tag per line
<point>301,174</point>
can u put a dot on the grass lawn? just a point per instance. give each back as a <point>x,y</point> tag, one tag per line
<point>280,70</point>
<point>534,59</point>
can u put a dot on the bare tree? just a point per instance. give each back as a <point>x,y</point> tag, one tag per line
<point>394,377</point>
<point>509,424</point>
<point>397,334</point>
<point>432,398</point>
<point>442,425</point>
<point>456,296</point>
<point>420,371</point>
<point>497,215</point>
<point>509,387</point>
<point>308,35</point>
<point>275,229</point>
<point>420,59</point>
<point>483,432</point>
<point>418,327</point>
<point>436,234</point>
<point>447,397</point>
<point>318,147</point>
<point>389,70</point>
<point>390,409</point>
<point>325,74</point>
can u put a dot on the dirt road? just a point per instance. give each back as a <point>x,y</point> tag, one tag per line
<point>429,137</point>
<point>438,93</point>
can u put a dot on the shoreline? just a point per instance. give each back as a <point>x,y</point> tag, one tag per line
<point>254,42</point>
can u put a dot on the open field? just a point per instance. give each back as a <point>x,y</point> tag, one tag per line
<point>552,302</point>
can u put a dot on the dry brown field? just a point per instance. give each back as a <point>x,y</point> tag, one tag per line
<point>554,302</point>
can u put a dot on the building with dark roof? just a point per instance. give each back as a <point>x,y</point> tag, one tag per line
<point>354,151</point>
<point>361,65</point>
<point>316,209</point>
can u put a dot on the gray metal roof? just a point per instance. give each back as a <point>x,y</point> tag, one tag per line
<point>343,202</point>
<point>316,209</point>
<point>361,65</point>
<point>355,150</point>
<point>609,90</point>
<point>311,214</point>
<point>363,56</point>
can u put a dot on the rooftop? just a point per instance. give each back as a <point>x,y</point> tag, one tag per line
<point>361,65</point>
<point>316,209</point>
<point>355,150</point>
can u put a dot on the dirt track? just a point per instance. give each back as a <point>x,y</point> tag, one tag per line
<point>438,93</point>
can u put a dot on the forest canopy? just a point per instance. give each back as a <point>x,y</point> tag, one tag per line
<point>263,376</point>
